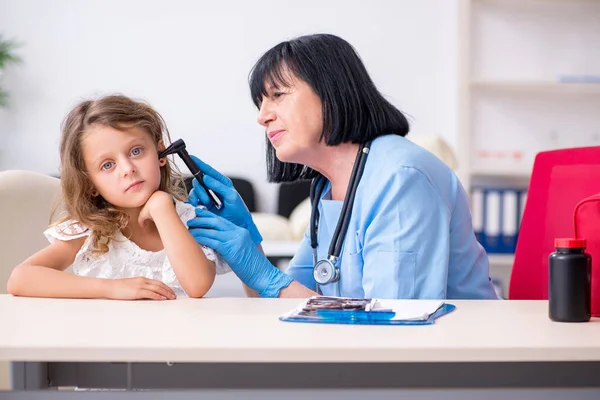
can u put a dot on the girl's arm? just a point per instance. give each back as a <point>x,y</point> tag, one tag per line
<point>42,275</point>
<point>193,270</point>
<point>249,292</point>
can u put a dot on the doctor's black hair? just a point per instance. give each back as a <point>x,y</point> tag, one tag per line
<point>354,111</point>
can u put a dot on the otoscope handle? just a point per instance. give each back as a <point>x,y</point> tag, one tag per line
<point>213,196</point>
<point>199,175</point>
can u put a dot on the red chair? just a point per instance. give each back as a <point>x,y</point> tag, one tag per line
<point>560,179</point>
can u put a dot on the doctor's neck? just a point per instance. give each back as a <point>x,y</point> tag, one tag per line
<point>335,163</point>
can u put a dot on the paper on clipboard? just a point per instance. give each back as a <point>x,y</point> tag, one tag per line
<point>407,310</point>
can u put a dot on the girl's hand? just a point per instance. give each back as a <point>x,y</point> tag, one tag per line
<point>158,200</point>
<point>139,288</point>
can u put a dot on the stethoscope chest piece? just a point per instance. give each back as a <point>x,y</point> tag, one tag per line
<point>325,272</point>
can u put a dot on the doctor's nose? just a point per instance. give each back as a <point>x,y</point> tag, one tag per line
<point>265,114</point>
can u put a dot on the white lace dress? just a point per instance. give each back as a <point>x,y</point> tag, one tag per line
<point>125,259</point>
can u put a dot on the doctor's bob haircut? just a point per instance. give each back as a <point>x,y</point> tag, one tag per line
<point>353,109</point>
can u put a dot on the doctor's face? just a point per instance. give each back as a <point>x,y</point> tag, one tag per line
<point>293,120</point>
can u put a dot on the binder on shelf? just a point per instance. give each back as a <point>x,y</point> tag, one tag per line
<point>477,212</point>
<point>492,224</point>
<point>497,213</point>
<point>510,220</point>
<point>522,202</point>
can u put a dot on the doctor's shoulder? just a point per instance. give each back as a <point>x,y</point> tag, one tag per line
<point>394,156</point>
<point>408,154</point>
<point>400,166</point>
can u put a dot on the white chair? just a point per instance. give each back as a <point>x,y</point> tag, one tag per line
<point>26,201</point>
<point>436,145</point>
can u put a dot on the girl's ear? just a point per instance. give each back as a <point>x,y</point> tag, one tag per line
<point>160,146</point>
<point>94,193</point>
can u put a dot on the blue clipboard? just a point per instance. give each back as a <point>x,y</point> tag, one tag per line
<point>361,317</point>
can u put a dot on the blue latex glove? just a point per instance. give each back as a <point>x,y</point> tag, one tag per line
<point>237,248</point>
<point>234,209</point>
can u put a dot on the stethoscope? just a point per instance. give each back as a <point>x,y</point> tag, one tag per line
<point>326,271</point>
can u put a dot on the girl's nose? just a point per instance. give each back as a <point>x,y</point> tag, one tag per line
<point>127,167</point>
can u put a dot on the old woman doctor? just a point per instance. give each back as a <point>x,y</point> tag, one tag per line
<point>389,219</point>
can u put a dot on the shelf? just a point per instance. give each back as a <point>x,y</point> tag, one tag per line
<point>501,259</point>
<point>538,87</point>
<point>514,172</point>
<point>280,248</point>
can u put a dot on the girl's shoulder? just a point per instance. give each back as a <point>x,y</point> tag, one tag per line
<point>185,211</point>
<point>67,230</point>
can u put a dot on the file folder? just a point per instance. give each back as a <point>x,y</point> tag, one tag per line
<point>496,215</point>
<point>510,220</point>
<point>477,213</point>
<point>522,202</point>
<point>492,222</point>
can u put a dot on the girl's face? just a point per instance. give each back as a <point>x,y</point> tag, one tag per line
<point>123,165</point>
<point>293,120</point>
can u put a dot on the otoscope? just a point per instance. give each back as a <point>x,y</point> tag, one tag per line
<point>178,147</point>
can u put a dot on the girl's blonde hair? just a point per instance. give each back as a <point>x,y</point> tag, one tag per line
<point>95,213</point>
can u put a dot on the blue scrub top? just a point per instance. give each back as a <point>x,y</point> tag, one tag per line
<point>410,235</point>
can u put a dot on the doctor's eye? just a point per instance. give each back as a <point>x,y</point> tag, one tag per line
<point>136,151</point>
<point>277,95</point>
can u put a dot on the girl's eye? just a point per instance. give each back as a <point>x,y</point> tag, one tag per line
<point>107,165</point>
<point>136,151</point>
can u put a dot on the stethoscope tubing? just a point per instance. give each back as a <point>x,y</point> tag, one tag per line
<point>337,241</point>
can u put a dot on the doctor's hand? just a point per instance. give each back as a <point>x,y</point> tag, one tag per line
<point>234,209</point>
<point>237,248</point>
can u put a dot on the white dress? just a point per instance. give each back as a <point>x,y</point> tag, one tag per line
<point>124,258</point>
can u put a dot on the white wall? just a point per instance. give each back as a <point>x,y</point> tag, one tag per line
<point>190,59</point>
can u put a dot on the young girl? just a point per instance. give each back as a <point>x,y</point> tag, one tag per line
<point>125,232</point>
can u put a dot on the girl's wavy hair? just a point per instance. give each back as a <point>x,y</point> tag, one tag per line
<point>95,213</point>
